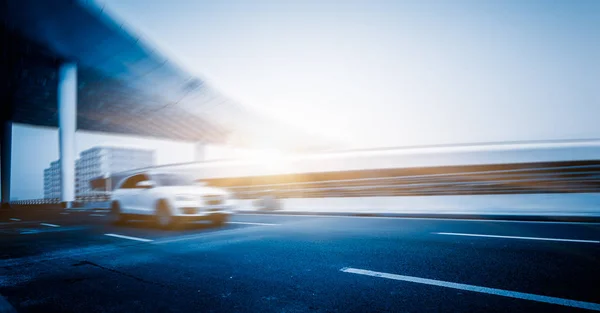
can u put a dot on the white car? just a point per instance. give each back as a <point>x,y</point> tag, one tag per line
<point>169,199</point>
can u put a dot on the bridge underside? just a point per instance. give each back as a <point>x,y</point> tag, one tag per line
<point>111,82</point>
<point>104,103</point>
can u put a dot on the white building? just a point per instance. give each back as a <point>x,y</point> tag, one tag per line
<point>52,180</point>
<point>93,163</point>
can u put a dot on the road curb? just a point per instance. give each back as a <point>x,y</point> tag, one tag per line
<point>44,214</point>
<point>53,213</point>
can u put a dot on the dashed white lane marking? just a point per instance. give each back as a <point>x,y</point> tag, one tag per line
<point>15,219</point>
<point>518,237</point>
<point>129,237</point>
<point>97,214</point>
<point>473,288</point>
<point>64,213</point>
<point>252,223</point>
<point>49,225</point>
<point>18,223</point>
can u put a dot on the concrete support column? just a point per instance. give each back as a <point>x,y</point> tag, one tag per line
<point>67,123</point>
<point>5,159</point>
<point>199,152</point>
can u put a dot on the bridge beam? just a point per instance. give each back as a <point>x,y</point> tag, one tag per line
<point>67,123</point>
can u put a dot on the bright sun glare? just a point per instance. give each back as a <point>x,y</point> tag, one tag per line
<point>270,159</point>
<point>265,155</point>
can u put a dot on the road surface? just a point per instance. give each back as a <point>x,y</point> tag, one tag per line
<point>271,263</point>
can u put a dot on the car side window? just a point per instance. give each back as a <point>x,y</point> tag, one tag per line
<point>132,181</point>
<point>127,183</point>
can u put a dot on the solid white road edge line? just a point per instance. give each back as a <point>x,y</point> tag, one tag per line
<point>129,237</point>
<point>203,235</point>
<point>421,218</point>
<point>49,225</point>
<point>97,214</point>
<point>518,237</point>
<point>251,223</point>
<point>6,307</point>
<point>486,290</point>
<point>15,219</point>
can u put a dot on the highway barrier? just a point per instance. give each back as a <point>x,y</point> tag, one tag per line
<point>580,204</point>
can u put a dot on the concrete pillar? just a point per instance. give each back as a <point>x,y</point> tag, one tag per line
<point>67,123</point>
<point>5,158</point>
<point>199,152</point>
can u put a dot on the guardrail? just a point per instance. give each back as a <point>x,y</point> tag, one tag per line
<point>451,176</point>
<point>563,179</point>
<point>36,201</point>
<point>100,197</point>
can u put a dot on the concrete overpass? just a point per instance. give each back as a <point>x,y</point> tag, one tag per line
<point>68,64</point>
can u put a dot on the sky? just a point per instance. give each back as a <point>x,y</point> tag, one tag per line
<point>370,73</point>
<point>390,73</point>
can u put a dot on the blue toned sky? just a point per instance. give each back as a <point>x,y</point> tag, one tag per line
<point>376,73</point>
<point>386,73</point>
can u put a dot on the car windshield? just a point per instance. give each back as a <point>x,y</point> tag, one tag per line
<point>173,180</point>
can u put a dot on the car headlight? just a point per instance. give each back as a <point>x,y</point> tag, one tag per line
<point>186,198</point>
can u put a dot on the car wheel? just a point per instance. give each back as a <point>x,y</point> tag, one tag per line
<point>115,213</point>
<point>163,216</point>
<point>219,220</point>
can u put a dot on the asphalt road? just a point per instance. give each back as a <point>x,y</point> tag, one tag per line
<point>270,263</point>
